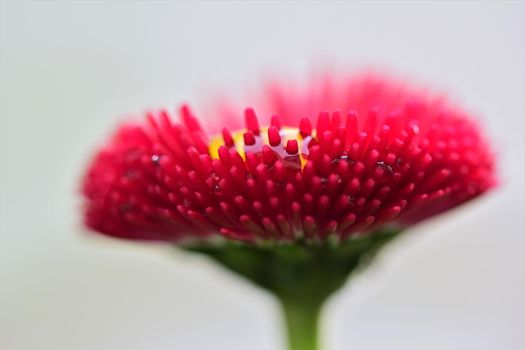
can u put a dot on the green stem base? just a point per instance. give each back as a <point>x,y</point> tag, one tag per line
<point>302,276</point>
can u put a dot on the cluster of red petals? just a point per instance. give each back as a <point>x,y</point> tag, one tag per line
<point>388,156</point>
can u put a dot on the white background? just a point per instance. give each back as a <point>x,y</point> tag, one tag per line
<point>71,69</point>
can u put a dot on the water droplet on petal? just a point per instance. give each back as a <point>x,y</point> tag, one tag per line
<point>385,166</point>
<point>343,158</point>
<point>155,160</point>
<point>217,189</point>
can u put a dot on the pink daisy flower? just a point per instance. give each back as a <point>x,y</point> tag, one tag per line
<point>336,160</point>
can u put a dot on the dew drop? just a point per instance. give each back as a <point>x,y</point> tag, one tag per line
<point>217,189</point>
<point>155,160</point>
<point>343,158</point>
<point>385,166</point>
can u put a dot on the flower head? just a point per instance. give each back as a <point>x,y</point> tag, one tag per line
<point>342,158</point>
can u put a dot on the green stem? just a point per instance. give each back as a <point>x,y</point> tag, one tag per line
<point>302,323</point>
<point>301,274</point>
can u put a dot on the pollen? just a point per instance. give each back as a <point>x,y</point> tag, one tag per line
<point>285,142</point>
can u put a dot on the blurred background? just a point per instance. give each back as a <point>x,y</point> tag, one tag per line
<point>69,70</point>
